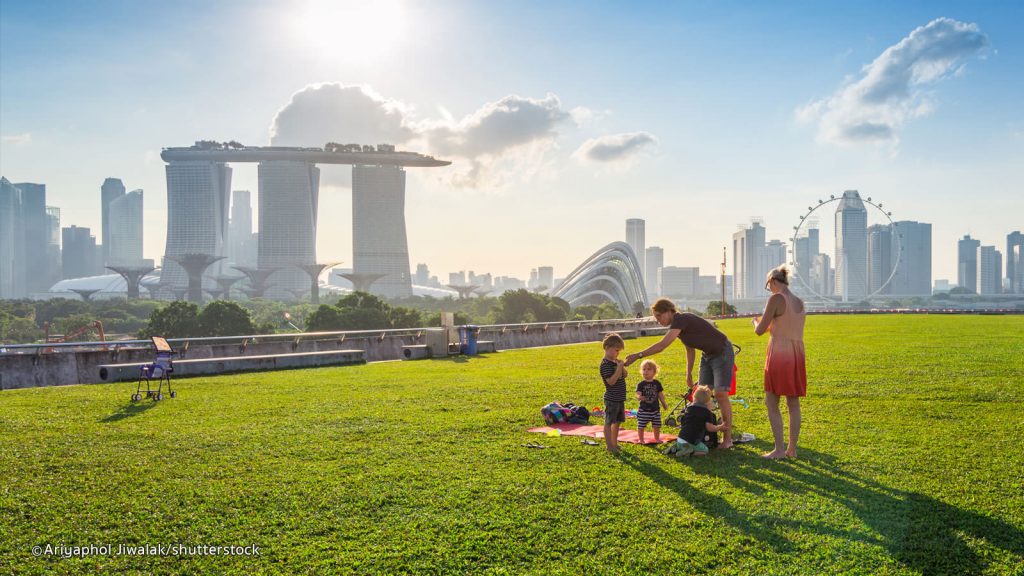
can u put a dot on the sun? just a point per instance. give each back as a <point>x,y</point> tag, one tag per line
<point>346,29</point>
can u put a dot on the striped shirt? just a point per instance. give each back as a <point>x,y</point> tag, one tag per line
<point>615,392</point>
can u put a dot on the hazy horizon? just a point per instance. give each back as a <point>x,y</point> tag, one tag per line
<point>561,120</point>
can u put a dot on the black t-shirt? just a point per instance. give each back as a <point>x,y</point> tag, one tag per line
<point>698,333</point>
<point>693,426</point>
<point>650,391</point>
<point>616,392</point>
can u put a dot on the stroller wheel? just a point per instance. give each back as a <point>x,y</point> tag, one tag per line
<point>158,397</point>
<point>173,394</point>
<point>135,397</point>
<point>671,422</point>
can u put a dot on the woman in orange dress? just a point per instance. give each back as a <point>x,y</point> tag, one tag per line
<point>785,372</point>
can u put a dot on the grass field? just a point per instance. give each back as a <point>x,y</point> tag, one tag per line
<point>911,462</point>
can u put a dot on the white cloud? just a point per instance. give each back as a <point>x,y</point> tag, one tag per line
<point>321,113</point>
<point>891,89</point>
<point>499,141</point>
<point>18,139</point>
<point>514,138</point>
<point>496,127</point>
<point>615,147</point>
<point>334,112</point>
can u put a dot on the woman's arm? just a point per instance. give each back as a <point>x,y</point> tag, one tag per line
<point>654,348</point>
<point>775,306</point>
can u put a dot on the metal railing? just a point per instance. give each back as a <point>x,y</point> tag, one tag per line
<point>296,337</point>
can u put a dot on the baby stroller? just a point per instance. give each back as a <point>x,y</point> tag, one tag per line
<point>675,415</point>
<point>160,368</point>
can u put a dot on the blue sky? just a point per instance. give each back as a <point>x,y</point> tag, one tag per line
<point>562,119</point>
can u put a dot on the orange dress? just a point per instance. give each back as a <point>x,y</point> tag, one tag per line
<point>785,370</point>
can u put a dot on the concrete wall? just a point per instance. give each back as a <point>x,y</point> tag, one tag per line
<point>82,367</point>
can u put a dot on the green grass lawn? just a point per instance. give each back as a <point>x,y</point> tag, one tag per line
<point>911,462</point>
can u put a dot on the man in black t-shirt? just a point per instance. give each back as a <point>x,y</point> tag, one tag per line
<point>717,355</point>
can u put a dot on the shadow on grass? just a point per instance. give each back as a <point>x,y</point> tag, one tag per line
<point>918,531</point>
<point>129,410</point>
<point>462,358</point>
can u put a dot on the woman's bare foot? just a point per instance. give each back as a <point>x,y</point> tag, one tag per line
<point>791,453</point>
<point>725,445</point>
<point>774,455</point>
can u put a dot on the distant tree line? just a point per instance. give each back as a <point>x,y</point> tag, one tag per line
<point>22,321</point>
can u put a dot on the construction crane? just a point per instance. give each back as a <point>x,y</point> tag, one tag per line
<point>97,325</point>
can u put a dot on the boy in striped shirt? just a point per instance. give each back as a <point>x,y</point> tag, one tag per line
<point>613,374</point>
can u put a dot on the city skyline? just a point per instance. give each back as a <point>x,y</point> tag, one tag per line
<point>581,159</point>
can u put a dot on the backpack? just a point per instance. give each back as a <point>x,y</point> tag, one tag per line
<point>579,414</point>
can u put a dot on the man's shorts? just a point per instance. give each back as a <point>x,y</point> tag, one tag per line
<point>614,412</point>
<point>716,370</point>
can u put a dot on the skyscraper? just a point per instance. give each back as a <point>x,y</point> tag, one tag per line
<point>33,225</point>
<point>242,246</point>
<point>805,248</point>
<point>822,276</point>
<point>747,254</point>
<point>880,257</point>
<point>197,215</point>
<point>635,239</point>
<point>79,253</point>
<point>990,270</point>
<point>422,277</point>
<point>111,190</point>
<point>11,241</point>
<point>967,263</point>
<point>546,277</point>
<point>679,282</point>
<point>288,197</point>
<point>851,247</point>
<point>654,261</point>
<point>1015,262</point>
<point>914,272</point>
<point>379,242</point>
<point>54,267</point>
<point>772,254</point>
<point>125,235</point>
<point>707,286</point>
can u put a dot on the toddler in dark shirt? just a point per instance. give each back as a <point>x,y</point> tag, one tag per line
<point>697,419</point>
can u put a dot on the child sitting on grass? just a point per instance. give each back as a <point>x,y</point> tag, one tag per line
<point>697,419</point>
<point>613,374</point>
<point>650,393</point>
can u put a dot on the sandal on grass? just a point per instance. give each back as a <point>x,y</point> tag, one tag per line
<point>588,442</point>
<point>533,445</point>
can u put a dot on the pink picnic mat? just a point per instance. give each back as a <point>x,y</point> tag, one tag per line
<point>592,431</point>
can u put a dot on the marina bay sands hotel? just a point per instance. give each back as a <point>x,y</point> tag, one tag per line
<point>199,192</point>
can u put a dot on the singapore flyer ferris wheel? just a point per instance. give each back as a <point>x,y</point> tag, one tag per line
<point>864,267</point>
